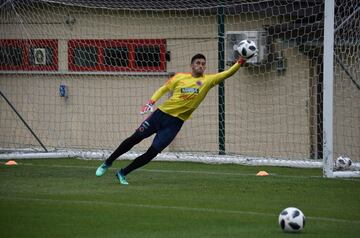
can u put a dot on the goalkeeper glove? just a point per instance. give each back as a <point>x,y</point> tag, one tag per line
<point>241,61</point>
<point>148,107</point>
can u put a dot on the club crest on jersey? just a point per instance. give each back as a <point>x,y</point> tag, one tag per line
<point>198,83</point>
<point>190,90</point>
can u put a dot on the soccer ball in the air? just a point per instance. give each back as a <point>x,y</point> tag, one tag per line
<point>246,48</point>
<point>291,219</point>
<point>343,162</point>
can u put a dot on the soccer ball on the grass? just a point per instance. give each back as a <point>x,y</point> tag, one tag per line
<point>246,49</point>
<point>343,162</point>
<point>291,219</point>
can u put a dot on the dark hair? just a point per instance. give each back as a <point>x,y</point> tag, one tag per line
<point>197,56</point>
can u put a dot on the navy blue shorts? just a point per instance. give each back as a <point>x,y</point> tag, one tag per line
<point>165,126</point>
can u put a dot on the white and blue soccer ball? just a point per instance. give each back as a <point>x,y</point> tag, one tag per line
<point>246,48</point>
<point>291,219</point>
<point>343,162</point>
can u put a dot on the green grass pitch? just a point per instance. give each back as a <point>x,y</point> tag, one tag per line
<point>64,198</point>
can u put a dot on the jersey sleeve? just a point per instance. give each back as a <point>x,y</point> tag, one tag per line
<point>168,86</point>
<point>219,77</point>
<point>159,93</point>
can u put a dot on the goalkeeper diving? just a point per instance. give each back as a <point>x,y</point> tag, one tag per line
<point>188,91</point>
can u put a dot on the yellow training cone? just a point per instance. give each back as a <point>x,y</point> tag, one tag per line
<point>262,173</point>
<point>11,162</point>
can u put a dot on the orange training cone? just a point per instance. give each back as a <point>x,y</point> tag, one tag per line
<point>262,173</point>
<point>11,162</point>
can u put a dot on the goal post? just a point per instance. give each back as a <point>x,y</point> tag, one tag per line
<point>78,73</point>
<point>328,88</point>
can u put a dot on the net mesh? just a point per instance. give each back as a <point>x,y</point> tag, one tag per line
<point>78,72</point>
<point>346,80</point>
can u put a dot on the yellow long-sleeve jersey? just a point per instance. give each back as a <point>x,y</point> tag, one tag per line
<point>188,92</point>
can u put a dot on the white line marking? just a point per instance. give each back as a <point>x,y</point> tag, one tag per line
<point>172,171</point>
<point>189,171</point>
<point>149,206</point>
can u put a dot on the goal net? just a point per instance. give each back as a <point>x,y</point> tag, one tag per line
<point>346,85</point>
<point>74,75</point>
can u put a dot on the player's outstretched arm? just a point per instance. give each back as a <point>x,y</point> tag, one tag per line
<point>149,106</point>
<point>228,73</point>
